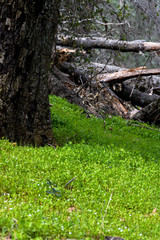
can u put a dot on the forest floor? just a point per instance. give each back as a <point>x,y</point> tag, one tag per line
<point>101,180</point>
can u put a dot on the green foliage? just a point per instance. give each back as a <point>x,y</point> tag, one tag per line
<point>70,125</point>
<point>115,193</point>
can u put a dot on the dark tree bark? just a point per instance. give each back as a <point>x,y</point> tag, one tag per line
<point>78,76</point>
<point>61,86</point>
<point>136,97</point>
<point>27,30</point>
<point>150,113</point>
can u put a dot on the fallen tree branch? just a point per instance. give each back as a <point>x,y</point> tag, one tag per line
<point>121,76</point>
<point>78,75</point>
<point>97,67</point>
<point>136,97</point>
<point>60,85</point>
<point>150,113</point>
<point>103,43</point>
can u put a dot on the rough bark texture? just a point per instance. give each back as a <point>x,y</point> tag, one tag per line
<point>99,42</point>
<point>145,84</point>
<point>136,97</point>
<point>27,30</point>
<point>121,76</point>
<point>78,75</point>
<point>150,113</point>
<point>61,86</point>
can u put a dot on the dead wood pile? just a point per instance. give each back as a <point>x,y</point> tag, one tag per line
<point>103,89</point>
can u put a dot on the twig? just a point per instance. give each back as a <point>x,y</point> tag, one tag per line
<point>70,181</point>
<point>138,78</point>
<point>102,23</point>
<point>132,124</point>
<point>90,79</point>
<point>108,24</point>
<point>50,145</point>
<point>106,210</point>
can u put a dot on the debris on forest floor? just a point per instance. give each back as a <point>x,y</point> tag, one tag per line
<point>88,87</point>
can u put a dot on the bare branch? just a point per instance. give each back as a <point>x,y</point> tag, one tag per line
<point>103,43</point>
<point>70,181</point>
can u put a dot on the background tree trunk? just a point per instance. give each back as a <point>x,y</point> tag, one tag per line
<point>27,32</point>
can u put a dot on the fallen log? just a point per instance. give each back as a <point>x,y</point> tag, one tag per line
<point>99,67</point>
<point>103,43</point>
<point>121,76</point>
<point>149,84</point>
<point>145,84</point>
<point>61,86</point>
<point>97,100</point>
<point>136,97</point>
<point>76,75</point>
<point>150,113</point>
<point>123,91</point>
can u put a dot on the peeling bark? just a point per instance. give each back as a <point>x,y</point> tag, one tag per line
<point>27,32</point>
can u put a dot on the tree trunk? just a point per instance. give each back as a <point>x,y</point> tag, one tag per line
<point>27,33</point>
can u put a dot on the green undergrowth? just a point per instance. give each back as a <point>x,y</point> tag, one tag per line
<point>114,168</point>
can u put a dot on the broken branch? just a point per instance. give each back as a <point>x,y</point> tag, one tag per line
<point>103,43</point>
<point>121,76</point>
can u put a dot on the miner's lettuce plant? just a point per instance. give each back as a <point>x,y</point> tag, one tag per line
<point>114,168</point>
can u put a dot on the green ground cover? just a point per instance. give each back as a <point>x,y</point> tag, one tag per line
<point>116,191</point>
